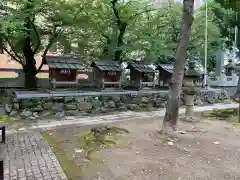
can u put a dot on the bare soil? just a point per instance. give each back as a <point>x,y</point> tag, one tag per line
<point>209,150</point>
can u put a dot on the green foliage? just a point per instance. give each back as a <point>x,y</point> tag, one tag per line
<point>91,30</point>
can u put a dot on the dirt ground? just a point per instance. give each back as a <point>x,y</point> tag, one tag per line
<point>209,150</point>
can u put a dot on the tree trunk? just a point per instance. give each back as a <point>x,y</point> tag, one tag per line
<point>119,50</point>
<point>29,69</point>
<point>175,86</point>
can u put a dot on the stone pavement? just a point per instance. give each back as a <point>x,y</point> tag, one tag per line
<point>27,156</point>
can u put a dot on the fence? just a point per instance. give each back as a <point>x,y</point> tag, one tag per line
<point>14,78</point>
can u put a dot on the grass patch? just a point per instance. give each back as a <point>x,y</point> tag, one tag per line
<point>6,119</point>
<point>69,167</point>
<point>221,113</point>
<point>99,138</point>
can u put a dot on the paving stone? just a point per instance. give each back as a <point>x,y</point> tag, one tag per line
<point>27,156</point>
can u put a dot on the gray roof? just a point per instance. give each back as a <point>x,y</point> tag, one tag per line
<point>140,67</point>
<point>107,65</point>
<point>169,68</point>
<point>62,62</point>
<point>166,67</point>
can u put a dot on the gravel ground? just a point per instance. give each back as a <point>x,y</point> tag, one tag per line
<point>209,150</point>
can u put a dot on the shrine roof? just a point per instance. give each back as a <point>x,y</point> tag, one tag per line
<point>107,65</point>
<point>63,62</point>
<point>140,67</point>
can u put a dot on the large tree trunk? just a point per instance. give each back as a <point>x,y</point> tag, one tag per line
<point>118,52</point>
<point>29,69</point>
<point>175,86</point>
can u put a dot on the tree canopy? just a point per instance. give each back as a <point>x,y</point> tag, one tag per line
<point>118,30</point>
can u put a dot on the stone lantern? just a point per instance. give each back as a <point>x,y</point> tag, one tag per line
<point>189,88</point>
<point>230,68</point>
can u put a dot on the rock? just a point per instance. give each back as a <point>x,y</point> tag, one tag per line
<point>57,107</point>
<point>216,143</point>
<point>136,100</point>
<point>103,110</point>
<point>211,100</point>
<point>96,103</point>
<point>68,99</point>
<point>84,106</point>
<point>111,104</point>
<point>122,108</point>
<point>48,106</point>
<point>60,114</point>
<point>31,118</point>
<point>72,113</point>
<point>132,106</point>
<point>71,106</point>
<point>16,106</point>
<point>38,108</point>
<point>145,100</point>
<point>170,143</point>
<point>227,101</point>
<point>7,108</point>
<point>13,113</point>
<point>116,98</point>
<point>78,150</point>
<point>79,99</point>
<point>35,114</point>
<point>198,102</point>
<point>25,114</point>
<point>182,132</point>
<point>46,114</point>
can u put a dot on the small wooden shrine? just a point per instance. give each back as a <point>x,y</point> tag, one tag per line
<point>62,70</point>
<point>165,75</point>
<point>141,75</point>
<point>106,73</point>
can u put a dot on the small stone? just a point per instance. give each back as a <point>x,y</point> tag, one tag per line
<point>35,114</point>
<point>16,106</point>
<point>182,132</point>
<point>83,106</point>
<point>145,100</point>
<point>71,106</point>
<point>78,150</point>
<point>8,108</point>
<point>170,143</point>
<point>26,113</point>
<point>111,104</point>
<point>32,118</point>
<point>13,113</point>
<point>38,108</point>
<point>216,143</point>
<point>46,113</point>
<point>60,114</point>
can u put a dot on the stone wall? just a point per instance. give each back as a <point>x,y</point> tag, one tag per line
<point>85,105</point>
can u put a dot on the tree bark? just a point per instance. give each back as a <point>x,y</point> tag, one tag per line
<point>175,86</point>
<point>29,69</point>
<point>119,51</point>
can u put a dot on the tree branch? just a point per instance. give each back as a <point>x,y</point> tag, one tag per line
<point>17,56</point>
<point>13,56</point>
<point>139,13</point>
<point>116,12</point>
<point>54,38</point>
<point>38,37</point>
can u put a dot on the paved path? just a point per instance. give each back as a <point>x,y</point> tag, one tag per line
<point>122,116</point>
<point>28,157</point>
